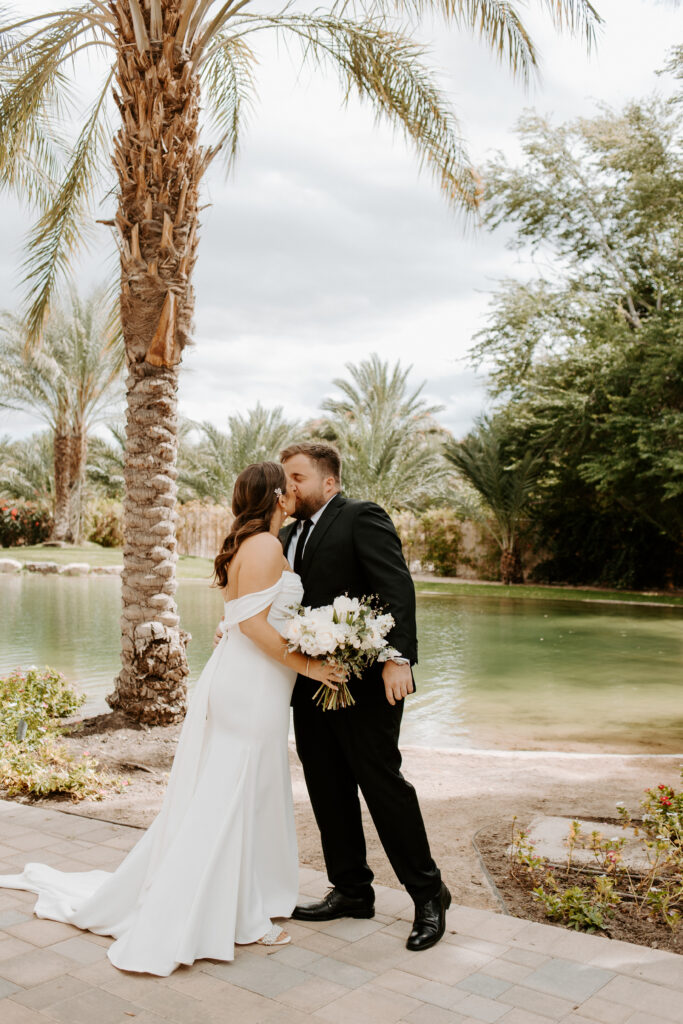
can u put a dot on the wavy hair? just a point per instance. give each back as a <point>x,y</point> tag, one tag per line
<point>254,500</point>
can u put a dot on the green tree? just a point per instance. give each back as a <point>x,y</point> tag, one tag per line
<point>69,383</point>
<point>587,361</point>
<point>27,470</point>
<point>166,59</point>
<point>208,469</point>
<point>388,437</point>
<point>503,484</point>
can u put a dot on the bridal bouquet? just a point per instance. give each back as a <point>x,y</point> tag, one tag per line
<point>350,632</point>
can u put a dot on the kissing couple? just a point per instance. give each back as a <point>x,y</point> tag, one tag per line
<point>219,865</point>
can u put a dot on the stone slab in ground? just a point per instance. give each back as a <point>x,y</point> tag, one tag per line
<point>549,837</point>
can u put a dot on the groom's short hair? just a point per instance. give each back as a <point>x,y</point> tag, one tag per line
<point>326,455</point>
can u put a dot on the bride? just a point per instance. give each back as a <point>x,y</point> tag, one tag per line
<point>220,859</point>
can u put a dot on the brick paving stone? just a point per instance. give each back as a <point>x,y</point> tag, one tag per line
<point>94,974</point>
<point>481,1008</point>
<point>605,1012</point>
<point>295,957</point>
<point>350,929</point>
<point>507,971</point>
<point>345,974</point>
<point>326,945</point>
<point>10,947</point>
<point>260,975</point>
<point>399,981</point>
<point>667,972</point>
<point>9,917</point>
<point>367,1004</point>
<point>92,1006</point>
<point>484,985</point>
<point>80,950</point>
<point>401,929</point>
<point>493,928</point>
<point>433,1015</point>
<point>200,985</point>
<point>7,988</point>
<point>34,967</point>
<point>42,933</point>
<point>150,994</point>
<point>124,842</point>
<point>537,1002</point>
<point>436,994</point>
<point>378,952</point>
<point>445,963</point>
<point>29,841</point>
<point>641,995</point>
<point>101,857</point>
<point>313,994</point>
<point>476,945</point>
<point>15,1013</point>
<point>523,1017</point>
<point>568,979</point>
<point>392,901</point>
<point>527,957</point>
<point>50,992</point>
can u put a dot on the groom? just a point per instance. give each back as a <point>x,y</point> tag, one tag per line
<point>340,546</point>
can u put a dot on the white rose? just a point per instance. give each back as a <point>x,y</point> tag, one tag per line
<point>344,604</point>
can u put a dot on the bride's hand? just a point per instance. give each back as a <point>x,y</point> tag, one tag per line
<point>218,635</point>
<point>329,675</point>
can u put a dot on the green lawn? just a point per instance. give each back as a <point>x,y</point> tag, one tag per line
<point>543,593</point>
<point>93,554</point>
<point>202,568</point>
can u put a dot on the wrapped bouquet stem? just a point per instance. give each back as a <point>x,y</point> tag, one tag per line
<point>350,633</point>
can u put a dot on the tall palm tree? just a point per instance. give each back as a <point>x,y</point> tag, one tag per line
<point>160,54</point>
<point>27,469</point>
<point>209,469</point>
<point>69,383</point>
<point>389,439</point>
<point>504,487</point>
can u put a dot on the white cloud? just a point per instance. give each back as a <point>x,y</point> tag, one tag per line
<point>325,243</point>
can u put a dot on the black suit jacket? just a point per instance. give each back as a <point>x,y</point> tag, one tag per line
<point>354,549</point>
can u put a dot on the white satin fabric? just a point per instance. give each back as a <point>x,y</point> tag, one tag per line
<point>220,859</point>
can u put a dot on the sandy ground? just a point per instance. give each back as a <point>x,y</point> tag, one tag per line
<point>460,792</point>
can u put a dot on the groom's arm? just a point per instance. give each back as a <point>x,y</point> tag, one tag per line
<point>379,551</point>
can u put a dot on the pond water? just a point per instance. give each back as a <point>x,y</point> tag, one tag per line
<point>493,672</point>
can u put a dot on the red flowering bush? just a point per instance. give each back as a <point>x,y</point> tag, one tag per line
<point>23,522</point>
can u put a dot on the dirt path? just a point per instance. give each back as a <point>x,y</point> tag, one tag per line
<point>460,793</point>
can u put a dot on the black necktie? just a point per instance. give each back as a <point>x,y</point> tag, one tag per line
<point>301,544</point>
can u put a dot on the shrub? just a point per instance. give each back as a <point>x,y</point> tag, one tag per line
<point>104,523</point>
<point>36,700</point>
<point>442,539</point>
<point>23,523</point>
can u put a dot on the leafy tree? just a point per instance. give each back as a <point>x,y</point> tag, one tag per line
<point>209,469</point>
<point>166,59</point>
<point>389,439</point>
<point>504,486</point>
<point>587,357</point>
<point>27,470</point>
<point>69,383</point>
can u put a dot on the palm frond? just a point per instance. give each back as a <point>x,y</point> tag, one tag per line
<point>228,88</point>
<point>60,230</point>
<point>385,69</point>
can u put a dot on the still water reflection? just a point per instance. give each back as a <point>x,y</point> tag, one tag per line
<point>492,672</point>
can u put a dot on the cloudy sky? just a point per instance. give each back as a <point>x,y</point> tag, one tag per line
<point>326,244</point>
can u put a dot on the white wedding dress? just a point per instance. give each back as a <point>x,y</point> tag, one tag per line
<point>220,859</point>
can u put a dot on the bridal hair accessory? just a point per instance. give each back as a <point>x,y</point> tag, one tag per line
<point>278,491</point>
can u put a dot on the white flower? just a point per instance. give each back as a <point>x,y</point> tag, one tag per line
<point>345,604</point>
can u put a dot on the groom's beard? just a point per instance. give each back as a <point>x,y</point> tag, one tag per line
<point>307,507</point>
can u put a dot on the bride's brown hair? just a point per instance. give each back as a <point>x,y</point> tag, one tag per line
<point>254,500</point>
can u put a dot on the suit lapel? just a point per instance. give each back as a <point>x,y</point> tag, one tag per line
<point>321,527</point>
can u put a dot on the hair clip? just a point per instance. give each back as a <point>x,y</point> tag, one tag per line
<point>278,491</point>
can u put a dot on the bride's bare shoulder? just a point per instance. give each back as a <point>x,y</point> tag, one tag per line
<point>260,546</point>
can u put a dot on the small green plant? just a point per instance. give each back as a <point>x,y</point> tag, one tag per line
<point>23,523</point>
<point>33,703</point>
<point>656,891</point>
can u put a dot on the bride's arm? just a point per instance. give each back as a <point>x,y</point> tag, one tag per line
<point>261,568</point>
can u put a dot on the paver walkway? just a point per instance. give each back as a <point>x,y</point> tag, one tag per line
<point>488,967</point>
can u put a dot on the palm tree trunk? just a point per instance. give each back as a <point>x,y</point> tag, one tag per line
<point>511,566</point>
<point>61,522</point>
<point>77,457</point>
<point>159,164</point>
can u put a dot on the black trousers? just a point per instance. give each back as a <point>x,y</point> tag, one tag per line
<point>357,747</point>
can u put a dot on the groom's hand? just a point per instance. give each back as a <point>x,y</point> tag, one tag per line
<point>398,681</point>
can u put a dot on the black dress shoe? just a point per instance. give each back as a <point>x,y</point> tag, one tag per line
<point>430,921</point>
<point>336,904</point>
